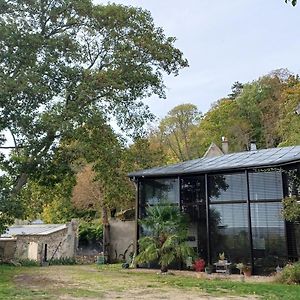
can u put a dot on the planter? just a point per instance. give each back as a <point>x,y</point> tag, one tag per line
<point>223,261</point>
<point>247,272</point>
<point>199,265</point>
<point>209,269</point>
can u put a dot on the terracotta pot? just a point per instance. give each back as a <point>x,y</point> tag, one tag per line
<point>247,272</point>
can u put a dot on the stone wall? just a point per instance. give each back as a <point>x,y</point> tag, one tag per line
<point>122,237</point>
<point>7,249</point>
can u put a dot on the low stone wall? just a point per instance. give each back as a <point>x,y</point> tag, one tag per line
<point>86,259</point>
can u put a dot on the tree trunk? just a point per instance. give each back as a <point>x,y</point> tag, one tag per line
<point>106,234</point>
<point>163,269</point>
<point>21,181</point>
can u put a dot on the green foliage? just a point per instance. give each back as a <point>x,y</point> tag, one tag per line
<point>236,90</point>
<point>52,203</point>
<point>146,152</point>
<point>29,263</point>
<point>9,210</point>
<point>290,274</point>
<point>90,231</point>
<point>262,110</point>
<point>63,261</point>
<point>223,119</point>
<point>176,128</point>
<point>294,2</point>
<point>165,241</point>
<point>69,65</point>
<point>289,121</point>
<point>291,208</point>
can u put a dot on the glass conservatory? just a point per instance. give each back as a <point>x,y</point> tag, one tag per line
<point>233,203</point>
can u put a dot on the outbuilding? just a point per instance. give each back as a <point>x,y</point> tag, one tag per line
<point>39,242</point>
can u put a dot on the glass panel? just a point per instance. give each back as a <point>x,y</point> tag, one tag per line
<point>154,191</point>
<point>265,185</point>
<point>231,187</point>
<point>197,229</point>
<point>268,235</point>
<point>193,204</point>
<point>229,232</point>
<point>193,190</point>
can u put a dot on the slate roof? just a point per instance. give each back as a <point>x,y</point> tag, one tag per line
<point>40,229</point>
<point>242,160</point>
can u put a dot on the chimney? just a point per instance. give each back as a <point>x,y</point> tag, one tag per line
<point>224,145</point>
<point>253,146</point>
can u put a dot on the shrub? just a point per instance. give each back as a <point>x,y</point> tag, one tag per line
<point>28,262</point>
<point>90,232</point>
<point>290,274</point>
<point>63,261</point>
<point>291,209</point>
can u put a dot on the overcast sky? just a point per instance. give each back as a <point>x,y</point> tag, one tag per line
<point>224,41</point>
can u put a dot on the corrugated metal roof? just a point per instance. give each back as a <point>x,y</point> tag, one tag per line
<point>241,160</point>
<point>40,229</point>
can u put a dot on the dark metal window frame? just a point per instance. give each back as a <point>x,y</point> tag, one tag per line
<point>248,201</point>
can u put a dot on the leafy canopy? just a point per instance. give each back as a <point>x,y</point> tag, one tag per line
<point>69,63</point>
<point>294,2</point>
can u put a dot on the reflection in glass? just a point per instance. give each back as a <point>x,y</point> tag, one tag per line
<point>229,232</point>
<point>193,190</point>
<point>268,235</point>
<point>229,187</point>
<point>193,204</point>
<point>265,185</point>
<point>154,191</point>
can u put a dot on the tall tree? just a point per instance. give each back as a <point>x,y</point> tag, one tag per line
<point>294,2</point>
<point>87,194</point>
<point>63,61</point>
<point>176,128</point>
<point>223,119</point>
<point>288,124</point>
<point>236,90</point>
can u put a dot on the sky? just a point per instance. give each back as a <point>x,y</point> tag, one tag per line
<point>224,41</point>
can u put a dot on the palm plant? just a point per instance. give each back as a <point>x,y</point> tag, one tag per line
<point>166,234</point>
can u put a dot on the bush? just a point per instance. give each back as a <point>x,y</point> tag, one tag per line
<point>29,263</point>
<point>291,209</point>
<point>290,274</point>
<point>63,261</point>
<point>90,232</point>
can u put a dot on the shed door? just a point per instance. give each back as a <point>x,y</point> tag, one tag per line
<point>33,251</point>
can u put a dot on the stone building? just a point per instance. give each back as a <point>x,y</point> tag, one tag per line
<point>40,242</point>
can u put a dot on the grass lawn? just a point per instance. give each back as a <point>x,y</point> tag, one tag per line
<point>111,282</point>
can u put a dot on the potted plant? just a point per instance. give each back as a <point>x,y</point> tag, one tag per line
<point>222,258</point>
<point>247,270</point>
<point>209,269</point>
<point>167,239</point>
<point>199,265</point>
<point>240,266</point>
<point>244,269</point>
